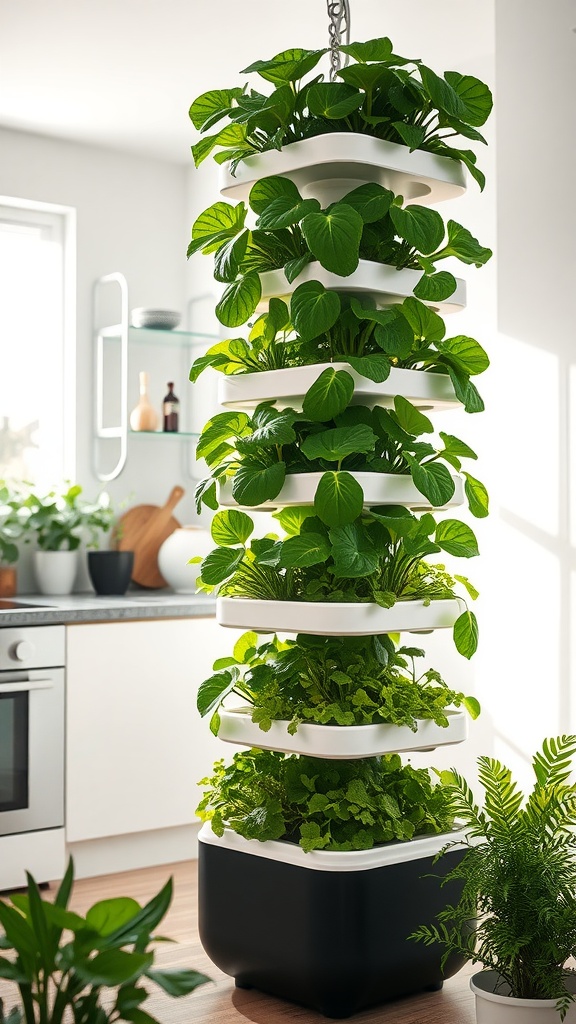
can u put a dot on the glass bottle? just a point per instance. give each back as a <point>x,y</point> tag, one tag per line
<point>171,408</point>
<point>144,415</point>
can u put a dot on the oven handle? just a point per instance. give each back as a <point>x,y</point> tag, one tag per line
<point>29,684</point>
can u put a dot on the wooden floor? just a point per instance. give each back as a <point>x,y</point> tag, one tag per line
<point>220,1002</point>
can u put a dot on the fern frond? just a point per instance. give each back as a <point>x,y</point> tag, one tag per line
<point>552,764</point>
<point>503,798</point>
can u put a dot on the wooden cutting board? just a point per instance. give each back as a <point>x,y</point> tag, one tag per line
<point>143,529</point>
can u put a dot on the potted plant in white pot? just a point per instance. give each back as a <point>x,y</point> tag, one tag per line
<point>331,386</point>
<point>518,879</point>
<point>59,520</point>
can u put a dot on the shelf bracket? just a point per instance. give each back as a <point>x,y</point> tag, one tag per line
<point>119,432</point>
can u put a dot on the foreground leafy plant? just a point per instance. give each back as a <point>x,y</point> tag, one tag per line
<point>335,439</point>
<point>381,94</point>
<point>323,804</point>
<point>518,874</point>
<point>409,335</point>
<point>329,681</point>
<point>368,223</point>
<point>63,962</point>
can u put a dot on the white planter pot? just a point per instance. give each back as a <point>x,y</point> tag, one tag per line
<point>499,1008</point>
<point>55,571</point>
<point>427,391</point>
<point>340,742</point>
<point>175,553</point>
<point>379,489</point>
<point>326,619</point>
<point>328,166</point>
<point>377,281</point>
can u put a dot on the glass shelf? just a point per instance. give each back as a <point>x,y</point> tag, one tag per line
<point>184,434</point>
<point>152,335</point>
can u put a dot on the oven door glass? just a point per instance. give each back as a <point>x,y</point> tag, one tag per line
<point>14,758</point>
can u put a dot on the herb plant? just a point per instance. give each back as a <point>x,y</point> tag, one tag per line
<point>518,875</point>
<point>368,223</point>
<point>329,681</point>
<point>323,804</point>
<point>409,335</point>
<point>380,94</point>
<point>335,439</point>
<point>13,521</point>
<point>60,519</point>
<point>65,965</point>
<point>380,557</point>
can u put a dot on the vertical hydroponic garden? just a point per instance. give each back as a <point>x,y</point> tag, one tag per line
<point>318,839</point>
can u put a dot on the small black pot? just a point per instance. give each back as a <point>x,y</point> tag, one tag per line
<point>110,571</point>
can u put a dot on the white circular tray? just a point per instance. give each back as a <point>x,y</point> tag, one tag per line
<point>378,281</point>
<point>333,619</point>
<point>340,742</point>
<point>329,166</point>
<point>427,391</point>
<point>379,489</point>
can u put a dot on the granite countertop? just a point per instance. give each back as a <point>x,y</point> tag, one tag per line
<point>47,609</point>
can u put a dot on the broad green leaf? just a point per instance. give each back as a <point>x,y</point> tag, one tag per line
<point>333,236</point>
<point>229,256</point>
<point>108,915</point>
<point>456,538</point>
<point>396,337</point>
<point>211,106</point>
<point>371,201</point>
<point>466,634</point>
<point>313,310</point>
<point>213,690</point>
<point>267,190</point>
<point>220,564</point>
<point>425,323</point>
<point>273,427</point>
<point>420,226</point>
<point>334,100</point>
<point>288,66</point>
<point>283,213</point>
<point>339,498</point>
<point>307,549</point>
<point>463,245</point>
<point>177,981</point>
<point>367,77</point>
<point>231,135</point>
<point>328,396</point>
<point>334,445</point>
<point>221,428</point>
<point>412,135</point>
<point>255,483</point>
<point>472,707</point>
<point>376,368</point>
<point>410,418</point>
<point>245,643</point>
<point>433,480</point>
<point>435,287</point>
<point>371,50</point>
<point>477,496</point>
<point>474,94</point>
<point>274,114</point>
<point>455,446</point>
<point>353,552</point>
<point>231,527</point>
<point>466,353</point>
<point>219,222</point>
<point>113,967</point>
<point>466,392</point>
<point>443,96</point>
<point>293,268</point>
<point>239,300</point>
<point>291,519</point>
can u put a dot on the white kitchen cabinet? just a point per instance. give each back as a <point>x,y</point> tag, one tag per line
<point>136,746</point>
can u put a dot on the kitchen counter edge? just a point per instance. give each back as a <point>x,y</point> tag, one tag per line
<point>46,609</point>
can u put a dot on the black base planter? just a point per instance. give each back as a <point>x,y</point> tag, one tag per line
<point>110,571</point>
<point>334,941</point>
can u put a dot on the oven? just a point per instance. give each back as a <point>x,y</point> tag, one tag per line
<point>32,710</point>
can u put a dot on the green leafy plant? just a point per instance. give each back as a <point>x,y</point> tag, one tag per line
<point>65,965</point>
<point>335,439</point>
<point>323,804</point>
<point>518,875</point>
<point>61,519</point>
<point>409,335</point>
<point>368,223</point>
<point>380,94</point>
<point>380,557</point>
<point>13,521</point>
<point>329,681</point>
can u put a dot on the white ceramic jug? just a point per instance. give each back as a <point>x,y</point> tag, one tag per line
<point>176,552</point>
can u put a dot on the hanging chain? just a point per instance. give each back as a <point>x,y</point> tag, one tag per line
<point>339,15</point>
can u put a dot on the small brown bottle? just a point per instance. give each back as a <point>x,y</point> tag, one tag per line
<point>171,407</point>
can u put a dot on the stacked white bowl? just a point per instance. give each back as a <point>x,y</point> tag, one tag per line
<point>163,319</point>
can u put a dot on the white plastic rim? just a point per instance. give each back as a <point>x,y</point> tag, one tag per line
<point>341,161</point>
<point>499,1008</point>
<point>333,619</point>
<point>323,860</point>
<point>431,392</point>
<point>340,742</point>
<point>379,489</point>
<point>377,281</point>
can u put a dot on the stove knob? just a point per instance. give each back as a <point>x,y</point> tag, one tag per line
<point>22,651</point>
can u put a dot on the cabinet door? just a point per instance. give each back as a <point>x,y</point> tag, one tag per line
<point>136,746</point>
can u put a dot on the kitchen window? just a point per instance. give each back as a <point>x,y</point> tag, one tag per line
<point>37,390</point>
